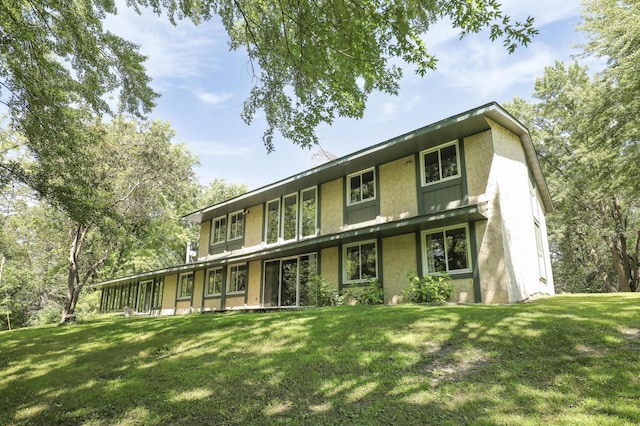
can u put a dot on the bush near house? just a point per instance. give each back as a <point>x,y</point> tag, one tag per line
<point>429,289</point>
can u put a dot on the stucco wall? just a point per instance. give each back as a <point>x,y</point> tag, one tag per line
<point>329,266</point>
<point>464,292</point>
<point>253,226</point>
<point>235,301</point>
<point>518,233</point>
<point>198,289</point>
<point>398,189</point>
<point>478,151</point>
<point>183,307</point>
<point>399,257</point>
<point>331,207</point>
<point>211,304</point>
<point>254,283</point>
<point>169,295</point>
<point>203,247</point>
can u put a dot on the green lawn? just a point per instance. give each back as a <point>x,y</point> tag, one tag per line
<point>563,360</point>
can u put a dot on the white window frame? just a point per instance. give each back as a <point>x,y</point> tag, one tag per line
<point>282,217</point>
<point>443,230</point>
<point>438,149</point>
<point>180,283</point>
<point>266,220</point>
<point>345,278</point>
<point>348,186</point>
<point>208,277</point>
<point>229,275</point>
<point>301,208</point>
<point>213,228</point>
<point>241,230</point>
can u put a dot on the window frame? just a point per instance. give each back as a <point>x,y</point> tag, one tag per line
<point>266,220</point>
<point>181,294</point>
<point>438,149</point>
<point>345,269</point>
<point>349,189</point>
<point>208,278</point>
<point>443,231</point>
<point>229,227</point>
<point>301,209</point>
<point>213,228</point>
<point>235,291</point>
<point>283,223</point>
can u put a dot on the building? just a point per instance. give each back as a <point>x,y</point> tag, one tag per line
<point>465,195</point>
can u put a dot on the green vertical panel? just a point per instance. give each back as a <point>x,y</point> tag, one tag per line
<point>477,291</point>
<point>463,172</point>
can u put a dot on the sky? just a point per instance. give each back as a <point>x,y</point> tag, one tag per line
<point>203,86</point>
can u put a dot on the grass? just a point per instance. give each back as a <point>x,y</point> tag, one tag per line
<point>563,360</point>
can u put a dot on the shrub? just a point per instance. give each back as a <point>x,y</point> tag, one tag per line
<point>369,293</point>
<point>429,289</point>
<point>326,295</point>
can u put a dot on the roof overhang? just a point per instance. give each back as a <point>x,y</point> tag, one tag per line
<point>459,126</point>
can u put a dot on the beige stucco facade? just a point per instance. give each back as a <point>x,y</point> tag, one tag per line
<point>500,199</point>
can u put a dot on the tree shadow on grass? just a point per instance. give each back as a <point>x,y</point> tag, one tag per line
<point>351,365</point>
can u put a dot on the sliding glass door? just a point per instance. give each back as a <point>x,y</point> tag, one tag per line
<point>287,281</point>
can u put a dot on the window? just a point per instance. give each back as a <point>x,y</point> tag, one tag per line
<point>236,225</point>
<point>440,163</point>
<point>446,250</point>
<point>290,217</point>
<point>237,279</point>
<point>360,261</point>
<point>537,214</point>
<point>185,286</point>
<point>308,215</point>
<point>157,294</point>
<point>295,219</point>
<point>218,230</point>
<point>272,221</point>
<point>362,186</point>
<point>214,282</point>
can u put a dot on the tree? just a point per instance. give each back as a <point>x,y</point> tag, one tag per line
<point>219,190</point>
<point>137,182</point>
<point>591,168</point>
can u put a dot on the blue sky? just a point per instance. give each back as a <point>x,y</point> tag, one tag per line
<point>203,86</point>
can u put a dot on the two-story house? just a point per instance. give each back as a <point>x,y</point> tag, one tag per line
<point>465,196</point>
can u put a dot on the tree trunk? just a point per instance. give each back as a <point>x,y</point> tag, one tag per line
<point>72,276</point>
<point>597,262</point>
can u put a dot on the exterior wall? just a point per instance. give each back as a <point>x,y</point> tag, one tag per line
<point>511,173</point>
<point>234,301</point>
<point>211,304</point>
<point>463,291</point>
<point>331,207</point>
<point>482,182</point>
<point>398,189</point>
<point>203,247</point>
<point>399,257</point>
<point>169,295</point>
<point>330,266</point>
<point>253,226</point>
<point>198,290</point>
<point>254,283</point>
<point>183,307</point>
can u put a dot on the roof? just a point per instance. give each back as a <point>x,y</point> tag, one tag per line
<point>458,126</point>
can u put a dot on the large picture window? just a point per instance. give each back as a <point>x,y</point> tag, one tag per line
<point>185,286</point>
<point>214,282</point>
<point>362,186</point>
<point>237,279</point>
<point>440,163</point>
<point>292,217</point>
<point>446,250</point>
<point>360,261</point>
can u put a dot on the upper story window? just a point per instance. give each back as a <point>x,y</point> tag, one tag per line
<point>185,286</point>
<point>362,186</point>
<point>236,225</point>
<point>446,250</point>
<point>440,163</point>
<point>360,261</point>
<point>292,217</point>
<point>218,230</point>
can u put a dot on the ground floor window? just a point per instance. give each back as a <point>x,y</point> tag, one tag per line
<point>185,286</point>
<point>289,281</point>
<point>237,282</point>
<point>446,250</point>
<point>360,261</point>
<point>140,296</point>
<point>214,282</point>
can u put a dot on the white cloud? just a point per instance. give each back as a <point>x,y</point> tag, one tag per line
<point>215,99</point>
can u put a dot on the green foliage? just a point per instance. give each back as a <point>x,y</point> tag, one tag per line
<point>50,314</point>
<point>368,293</point>
<point>88,305</point>
<point>326,295</point>
<point>436,288</point>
